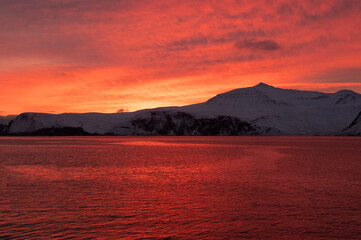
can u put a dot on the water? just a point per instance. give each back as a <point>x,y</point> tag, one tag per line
<point>180,188</point>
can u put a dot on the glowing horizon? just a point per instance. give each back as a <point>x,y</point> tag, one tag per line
<point>104,56</point>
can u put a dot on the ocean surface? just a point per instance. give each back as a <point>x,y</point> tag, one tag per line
<point>180,188</point>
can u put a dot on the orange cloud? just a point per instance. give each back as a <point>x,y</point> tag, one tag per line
<point>92,55</point>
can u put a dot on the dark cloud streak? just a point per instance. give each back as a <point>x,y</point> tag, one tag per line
<point>187,43</point>
<point>311,13</point>
<point>265,45</point>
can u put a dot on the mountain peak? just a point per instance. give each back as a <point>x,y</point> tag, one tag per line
<point>346,91</point>
<point>262,85</point>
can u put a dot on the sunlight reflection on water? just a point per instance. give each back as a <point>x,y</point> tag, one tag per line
<point>160,143</point>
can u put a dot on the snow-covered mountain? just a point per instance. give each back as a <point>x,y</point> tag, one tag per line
<point>4,120</point>
<point>290,111</point>
<point>354,129</point>
<point>257,110</point>
<point>99,123</point>
<point>137,123</point>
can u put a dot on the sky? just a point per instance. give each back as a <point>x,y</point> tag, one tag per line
<point>114,55</point>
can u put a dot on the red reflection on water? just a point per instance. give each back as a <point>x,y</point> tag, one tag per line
<point>181,187</point>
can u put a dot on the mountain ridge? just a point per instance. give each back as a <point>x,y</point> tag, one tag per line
<point>265,109</point>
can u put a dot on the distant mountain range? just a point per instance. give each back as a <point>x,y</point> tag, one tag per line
<point>257,110</point>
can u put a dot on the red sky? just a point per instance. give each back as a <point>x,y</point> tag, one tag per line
<point>108,55</point>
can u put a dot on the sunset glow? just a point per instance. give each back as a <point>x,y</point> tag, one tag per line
<point>113,55</point>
